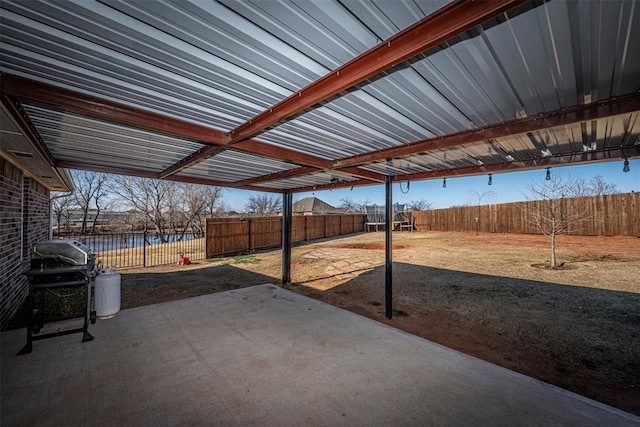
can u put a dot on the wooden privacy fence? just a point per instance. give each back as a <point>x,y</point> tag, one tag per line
<point>608,215</point>
<point>227,236</point>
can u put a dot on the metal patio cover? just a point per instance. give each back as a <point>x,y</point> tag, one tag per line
<point>300,95</point>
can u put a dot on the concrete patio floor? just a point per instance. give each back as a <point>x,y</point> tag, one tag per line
<point>267,356</point>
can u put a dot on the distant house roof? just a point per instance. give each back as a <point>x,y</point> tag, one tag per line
<point>313,205</point>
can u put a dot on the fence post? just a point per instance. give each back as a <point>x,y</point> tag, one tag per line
<point>324,232</point>
<point>144,248</point>
<point>249,234</point>
<point>306,227</point>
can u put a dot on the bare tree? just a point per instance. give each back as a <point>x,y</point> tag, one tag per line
<point>91,189</point>
<point>419,205</point>
<point>176,215</point>
<point>350,206</point>
<point>581,188</point>
<point>101,201</point>
<point>264,204</point>
<point>213,201</point>
<point>128,221</point>
<point>201,202</point>
<point>599,186</point>
<point>596,186</point>
<point>551,214</point>
<point>61,205</point>
<point>148,196</point>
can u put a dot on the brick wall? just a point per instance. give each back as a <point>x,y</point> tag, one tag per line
<point>24,220</point>
<point>35,225</point>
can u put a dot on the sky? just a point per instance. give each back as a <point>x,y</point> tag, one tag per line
<point>507,187</point>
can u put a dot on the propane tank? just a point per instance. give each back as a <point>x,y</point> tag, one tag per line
<point>107,293</point>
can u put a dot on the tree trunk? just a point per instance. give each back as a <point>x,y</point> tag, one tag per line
<point>83,228</point>
<point>93,227</point>
<point>553,249</point>
<point>553,235</point>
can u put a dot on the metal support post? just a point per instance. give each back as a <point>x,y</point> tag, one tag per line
<point>388,286</point>
<point>287,219</point>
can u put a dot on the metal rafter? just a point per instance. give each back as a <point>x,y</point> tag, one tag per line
<point>90,106</point>
<point>277,176</point>
<point>593,111</point>
<point>86,105</point>
<point>280,153</point>
<point>360,173</point>
<point>303,159</point>
<point>195,157</point>
<point>292,173</point>
<point>444,24</point>
<point>148,174</point>
<point>204,181</point>
<point>334,185</point>
<point>558,160</point>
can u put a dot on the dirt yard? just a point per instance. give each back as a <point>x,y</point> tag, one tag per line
<point>577,327</point>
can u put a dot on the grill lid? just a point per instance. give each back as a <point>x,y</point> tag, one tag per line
<point>71,251</point>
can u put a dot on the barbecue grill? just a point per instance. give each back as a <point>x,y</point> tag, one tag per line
<point>57,265</point>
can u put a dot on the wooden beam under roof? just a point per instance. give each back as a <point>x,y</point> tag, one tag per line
<point>445,23</point>
<point>582,113</point>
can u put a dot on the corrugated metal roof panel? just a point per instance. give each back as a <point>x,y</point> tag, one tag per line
<point>330,33</point>
<point>110,53</point>
<point>72,137</point>
<point>616,131</point>
<point>320,178</point>
<point>219,64</point>
<point>474,83</point>
<point>233,166</point>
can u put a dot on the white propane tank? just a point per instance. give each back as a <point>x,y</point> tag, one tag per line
<point>107,293</point>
